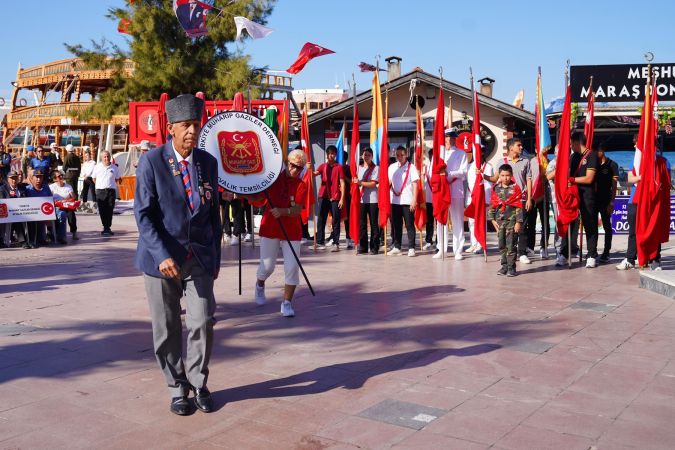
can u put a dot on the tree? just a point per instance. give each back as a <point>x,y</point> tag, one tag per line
<point>167,60</point>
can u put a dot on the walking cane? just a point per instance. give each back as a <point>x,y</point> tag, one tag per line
<point>581,240</point>
<point>295,255</point>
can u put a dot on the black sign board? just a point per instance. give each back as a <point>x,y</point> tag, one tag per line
<point>621,82</point>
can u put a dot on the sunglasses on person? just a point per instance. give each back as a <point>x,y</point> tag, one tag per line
<point>295,166</point>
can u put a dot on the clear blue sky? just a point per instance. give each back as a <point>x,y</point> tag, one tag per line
<point>503,40</point>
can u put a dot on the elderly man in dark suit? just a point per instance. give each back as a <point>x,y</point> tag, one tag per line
<point>178,216</point>
<point>191,16</point>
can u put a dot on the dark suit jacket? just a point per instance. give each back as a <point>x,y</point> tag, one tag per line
<point>167,228</point>
<point>190,23</point>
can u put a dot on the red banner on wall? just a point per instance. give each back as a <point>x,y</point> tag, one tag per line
<point>144,116</point>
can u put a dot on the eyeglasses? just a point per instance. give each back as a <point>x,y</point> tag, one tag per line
<point>295,166</point>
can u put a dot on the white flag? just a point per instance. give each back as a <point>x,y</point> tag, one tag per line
<point>255,30</point>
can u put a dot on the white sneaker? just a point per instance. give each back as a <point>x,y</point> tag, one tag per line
<point>478,249</point>
<point>530,253</point>
<point>437,255</point>
<point>560,261</point>
<point>334,248</point>
<point>471,249</point>
<point>459,256</point>
<point>226,239</point>
<point>655,265</point>
<point>248,237</point>
<point>543,253</point>
<point>395,251</point>
<point>624,265</point>
<point>350,244</point>
<point>259,294</point>
<point>329,242</point>
<point>234,240</point>
<point>590,263</point>
<point>524,260</point>
<point>426,246</point>
<point>287,309</point>
<point>411,252</point>
<point>320,247</point>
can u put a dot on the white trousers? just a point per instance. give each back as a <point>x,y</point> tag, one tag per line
<point>269,250</point>
<point>472,223</point>
<point>456,214</point>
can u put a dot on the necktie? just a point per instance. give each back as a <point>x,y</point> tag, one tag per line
<point>186,182</point>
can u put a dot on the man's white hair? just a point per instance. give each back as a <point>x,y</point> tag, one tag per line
<point>298,156</point>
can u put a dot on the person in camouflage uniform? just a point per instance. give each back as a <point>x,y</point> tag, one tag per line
<point>506,214</point>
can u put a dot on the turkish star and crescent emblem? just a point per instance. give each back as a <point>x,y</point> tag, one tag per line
<point>4,213</point>
<point>240,152</point>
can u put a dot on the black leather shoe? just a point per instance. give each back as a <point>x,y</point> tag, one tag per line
<point>203,399</point>
<point>502,271</point>
<point>180,406</point>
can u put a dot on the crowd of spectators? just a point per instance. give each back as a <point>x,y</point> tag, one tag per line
<point>56,172</point>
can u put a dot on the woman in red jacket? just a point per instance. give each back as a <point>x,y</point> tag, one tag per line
<point>287,195</point>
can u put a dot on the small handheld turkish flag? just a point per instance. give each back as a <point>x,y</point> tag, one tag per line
<point>309,51</point>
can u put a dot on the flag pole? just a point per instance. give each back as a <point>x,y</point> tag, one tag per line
<point>545,180</point>
<point>386,118</point>
<point>569,228</point>
<point>352,149</point>
<point>311,168</point>
<point>441,232</point>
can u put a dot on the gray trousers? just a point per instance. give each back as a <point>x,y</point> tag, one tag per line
<point>164,297</point>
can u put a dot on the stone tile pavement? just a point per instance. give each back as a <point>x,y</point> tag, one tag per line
<point>392,352</point>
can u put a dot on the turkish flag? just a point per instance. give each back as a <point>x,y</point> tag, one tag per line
<point>567,196</point>
<point>440,189</point>
<point>383,188</point>
<point>652,194</point>
<point>309,173</point>
<point>309,51</point>
<point>123,26</point>
<point>355,207</point>
<point>476,208</point>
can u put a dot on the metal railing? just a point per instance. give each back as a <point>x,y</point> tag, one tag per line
<point>48,111</point>
<point>64,67</point>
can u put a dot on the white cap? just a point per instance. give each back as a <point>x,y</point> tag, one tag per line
<point>69,147</point>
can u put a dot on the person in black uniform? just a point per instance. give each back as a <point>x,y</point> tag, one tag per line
<point>607,177</point>
<point>583,167</point>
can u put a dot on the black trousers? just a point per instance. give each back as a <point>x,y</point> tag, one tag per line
<point>429,238</point>
<point>88,187</point>
<point>241,210</point>
<point>521,237</point>
<point>325,206</point>
<point>589,216</point>
<point>399,214</point>
<point>606,217</point>
<point>538,211</point>
<point>72,221</point>
<point>105,199</point>
<point>631,251</point>
<point>369,214</point>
